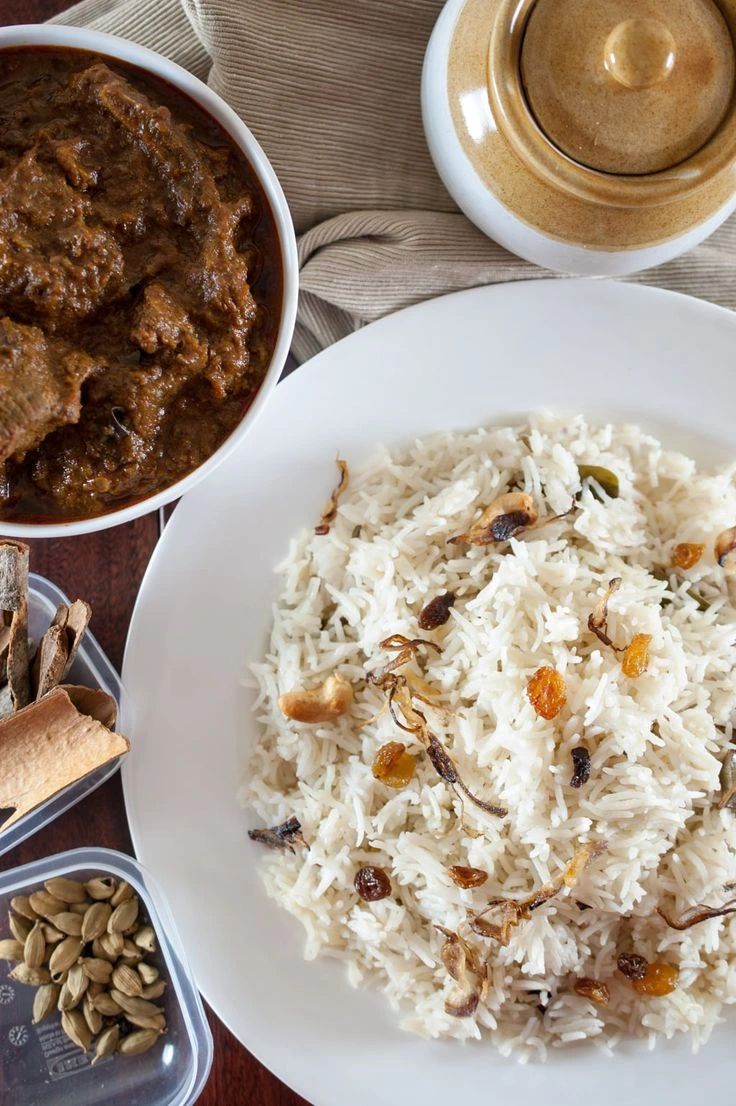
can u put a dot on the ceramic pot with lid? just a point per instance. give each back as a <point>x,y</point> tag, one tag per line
<point>595,137</point>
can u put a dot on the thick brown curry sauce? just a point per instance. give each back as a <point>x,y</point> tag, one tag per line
<point>140,284</point>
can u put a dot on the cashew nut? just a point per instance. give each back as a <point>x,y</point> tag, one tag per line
<point>322,704</point>
<point>725,550</point>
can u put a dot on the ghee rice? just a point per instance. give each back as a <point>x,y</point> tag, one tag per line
<point>656,742</point>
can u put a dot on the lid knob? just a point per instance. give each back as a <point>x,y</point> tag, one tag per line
<point>640,53</point>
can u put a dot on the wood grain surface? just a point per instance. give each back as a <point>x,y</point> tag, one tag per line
<point>106,569</point>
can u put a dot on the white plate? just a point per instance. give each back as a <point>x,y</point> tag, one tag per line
<point>611,351</point>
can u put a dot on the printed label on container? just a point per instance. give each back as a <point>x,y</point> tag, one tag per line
<point>62,1057</point>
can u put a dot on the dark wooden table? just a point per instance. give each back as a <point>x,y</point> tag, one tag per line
<point>106,569</point>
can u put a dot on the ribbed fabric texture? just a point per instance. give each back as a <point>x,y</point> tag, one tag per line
<point>160,25</point>
<point>331,90</point>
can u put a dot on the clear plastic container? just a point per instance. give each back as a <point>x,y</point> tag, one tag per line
<point>39,1065</point>
<point>91,668</point>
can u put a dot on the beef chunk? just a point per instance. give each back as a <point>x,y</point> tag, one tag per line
<point>40,387</point>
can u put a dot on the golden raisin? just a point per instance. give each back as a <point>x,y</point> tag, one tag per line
<point>658,980</point>
<point>636,656</point>
<point>593,989</point>
<point>687,554</point>
<point>547,692</point>
<point>393,765</point>
<point>467,877</point>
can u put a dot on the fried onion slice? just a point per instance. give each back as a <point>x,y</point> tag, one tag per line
<point>405,648</point>
<point>446,769</point>
<point>701,912</point>
<point>414,721</point>
<point>459,959</point>
<point>513,911</point>
<point>399,642</point>
<point>329,513</point>
<point>727,779</point>
<point>598,618</point>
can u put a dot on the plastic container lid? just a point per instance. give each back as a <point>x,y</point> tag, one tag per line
<point>39,1065</point>
<point>92,669</point>
<point>628,88</point>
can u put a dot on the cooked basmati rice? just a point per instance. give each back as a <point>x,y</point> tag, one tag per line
<point>656,742</point>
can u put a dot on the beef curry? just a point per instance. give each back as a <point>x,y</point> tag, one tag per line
<point>140,284</point>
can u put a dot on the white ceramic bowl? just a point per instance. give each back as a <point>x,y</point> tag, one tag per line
<point>474,197</point>
<point>114,47</point>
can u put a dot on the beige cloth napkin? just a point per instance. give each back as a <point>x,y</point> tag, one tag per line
<point>331,91</point>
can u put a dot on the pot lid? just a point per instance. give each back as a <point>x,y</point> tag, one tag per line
<point>628,86</point>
